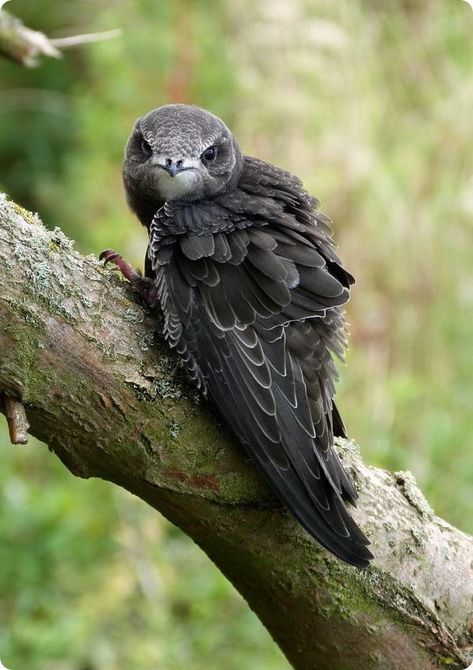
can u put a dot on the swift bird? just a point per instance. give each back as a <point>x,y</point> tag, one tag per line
<point>242,264</point>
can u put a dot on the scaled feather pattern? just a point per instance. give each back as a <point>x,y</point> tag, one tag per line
<point>247,277</point>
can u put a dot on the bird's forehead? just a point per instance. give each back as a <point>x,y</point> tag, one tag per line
<point>182,131</point>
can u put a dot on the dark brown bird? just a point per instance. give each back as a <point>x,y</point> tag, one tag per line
<point>242,264</point>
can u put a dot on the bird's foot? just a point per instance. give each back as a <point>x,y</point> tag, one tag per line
<point>142,285</point>
<point>111,256</point>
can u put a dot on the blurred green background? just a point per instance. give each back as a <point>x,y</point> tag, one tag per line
<point>371,104</point>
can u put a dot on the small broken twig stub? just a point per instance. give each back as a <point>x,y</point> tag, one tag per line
<point>16,419</point>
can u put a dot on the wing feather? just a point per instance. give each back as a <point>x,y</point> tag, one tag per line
<point>253,295</point>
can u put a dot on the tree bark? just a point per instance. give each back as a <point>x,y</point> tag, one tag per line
<point>102,390</point>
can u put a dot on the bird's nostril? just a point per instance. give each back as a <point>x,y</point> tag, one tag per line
<point>168,162</point>
<point>179,163</point>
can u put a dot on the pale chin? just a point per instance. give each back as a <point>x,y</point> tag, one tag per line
<point>183,184</point>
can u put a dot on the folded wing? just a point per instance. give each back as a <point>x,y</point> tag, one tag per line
<point>255,313</point>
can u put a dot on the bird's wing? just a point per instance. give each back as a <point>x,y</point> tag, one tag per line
<point>255,314</point>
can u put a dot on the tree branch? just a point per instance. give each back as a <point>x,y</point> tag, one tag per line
<point>101,389</point>
<point>25,46</point>
<point>21,44</point>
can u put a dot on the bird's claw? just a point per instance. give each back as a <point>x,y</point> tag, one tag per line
<point>143,285</point>
<point>111,256</point>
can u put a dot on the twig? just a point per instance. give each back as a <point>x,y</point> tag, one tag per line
<point>16,418</point>
<point>25,46</point>
<point>76,40</point>
<point>22,45</point>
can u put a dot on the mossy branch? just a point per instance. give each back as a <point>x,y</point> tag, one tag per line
<point>101,389</point>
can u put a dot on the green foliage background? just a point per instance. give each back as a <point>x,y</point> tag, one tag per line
<point>370,103</point>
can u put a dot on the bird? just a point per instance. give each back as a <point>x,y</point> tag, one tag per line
<point>242,265</point>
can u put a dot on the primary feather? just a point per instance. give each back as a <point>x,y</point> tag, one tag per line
<point>251,289</point>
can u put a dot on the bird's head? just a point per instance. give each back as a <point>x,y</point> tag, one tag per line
<point>180,152</point>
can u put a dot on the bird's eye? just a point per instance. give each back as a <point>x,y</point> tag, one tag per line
<point>146,147</point>
<point>210,154</point>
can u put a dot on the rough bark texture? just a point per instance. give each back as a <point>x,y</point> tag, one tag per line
<point>101,389</point>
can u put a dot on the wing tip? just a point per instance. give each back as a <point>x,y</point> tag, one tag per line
<point>353,552</point>
<point>361,559</point>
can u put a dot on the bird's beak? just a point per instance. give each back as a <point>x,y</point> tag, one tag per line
<point>173,169</point>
